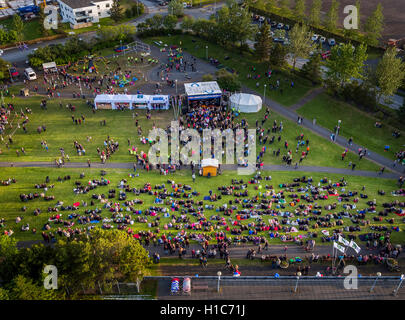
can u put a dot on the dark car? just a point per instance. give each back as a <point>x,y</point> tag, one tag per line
<point>287,27</point>
<point>14,72</point>
<point>274,24</point>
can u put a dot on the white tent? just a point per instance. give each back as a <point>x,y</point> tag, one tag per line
<point>126,101</point>
<point>140,101</point>
<point>245,102</point>
<point>49,67</point>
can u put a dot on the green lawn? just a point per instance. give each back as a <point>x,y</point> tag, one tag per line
<point>31,30</point>
<point>61,132</point>
<point>242,63</point>
<point>63,191</point>
<point>355,123</point>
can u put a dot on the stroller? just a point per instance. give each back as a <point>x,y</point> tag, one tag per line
<point>174,287</point>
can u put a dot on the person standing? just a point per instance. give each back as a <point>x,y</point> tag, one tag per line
<point>193,176</point>
<point>88,162</point>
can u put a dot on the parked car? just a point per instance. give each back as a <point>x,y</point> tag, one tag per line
<point>30,74</point>
<point>323,39</point>
<point>1,52</point>
<point>280,25</point>
<point>14,72</point>
<point>279,40</point>
<point>325,55</point>
<point>287,27</point>
<point>315,37</point>
<point>331,42</point>
<point>261,19</point>
<point>273,24</point>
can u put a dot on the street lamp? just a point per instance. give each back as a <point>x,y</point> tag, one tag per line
<point>206,52</point>
<point>176,86</point>
<point>378,275</point>
<point>298,278</point>
<point>264,99</point>
<point>399,285</point>
<point>219,273</point>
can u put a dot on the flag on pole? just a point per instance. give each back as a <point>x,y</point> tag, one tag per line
<point>339,247</point>
<point>354,246</point>
<point>343,241</point>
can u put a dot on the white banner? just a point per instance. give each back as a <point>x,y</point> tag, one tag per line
<point>338,247</point>
<point>343,241</point>
<point>354,245</point>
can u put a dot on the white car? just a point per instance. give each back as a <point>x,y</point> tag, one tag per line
<point>280,25</point>
<point>323,39</point>
<point>1,52</point>
<point>315,37</point>
<point>331,42</point>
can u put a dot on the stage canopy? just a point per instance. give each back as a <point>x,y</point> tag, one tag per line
<point>245,102</point>
<point>202,90</point>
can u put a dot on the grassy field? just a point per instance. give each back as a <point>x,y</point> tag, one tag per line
<point>243,63</point>
<point>63,191</point>
<point>61,132</point>
<point>31,30</point>
<point>355,123</point>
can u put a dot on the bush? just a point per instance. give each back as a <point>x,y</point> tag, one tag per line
<point>227,80</point>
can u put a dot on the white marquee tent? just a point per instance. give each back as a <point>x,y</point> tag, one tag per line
<point>245,102</point>
<point>202,90</point>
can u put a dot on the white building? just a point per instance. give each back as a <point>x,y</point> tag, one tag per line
<point>83,13</point>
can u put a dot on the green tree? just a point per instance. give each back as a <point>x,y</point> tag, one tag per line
<point>23,288</point>
<point>227,80</point>
<point>312,69</point>
<point>390,73</point>
<point>345,63</point>
<point>374,26</point>
<point>42,17</point>
<point>116,11</point>
<point>187,23</point>
<point>332,16</point>
<point>285,6</point>
<point>263,43</point>
<point>207,77</point>
<point>4,294</point>
<point>176,8</point>
<point>269,5</point>
<point>299,10</point>
<point>169,22</point>
<point>315,13</point>
<point>277,55</point>
<point>300,42</point>
<point>234,24</point>
<point>8,245</point>
<point>18,26</point>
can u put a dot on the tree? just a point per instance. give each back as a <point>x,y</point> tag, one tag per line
<point>374,26</point>
<point>116,11</point>
<point>207,77</point>
<point>315,13</point>
<point>234,24</point>
<point>187,23</point>
<point>23,288</point>
<point>312,69</point>
<point>176,8</point>
<point>18,25</point>
<point>277,55</point>
<point>227,80</point>
<point>169,22</point>
<point>8,245</point>
<point>390,73</point>
<point>269,5</point>
<point>42,17</point>
<point>299,10</point>
<point>345,62</point>
<point>300,42</point>
<point>285,6</point>
<point>263,43</point>
<point>332,16</point>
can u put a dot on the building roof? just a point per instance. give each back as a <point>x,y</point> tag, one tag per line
<point>75,4</point>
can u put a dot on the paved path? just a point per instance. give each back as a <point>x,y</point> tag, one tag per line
<point>308,97</point>
<point>233,167</point>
